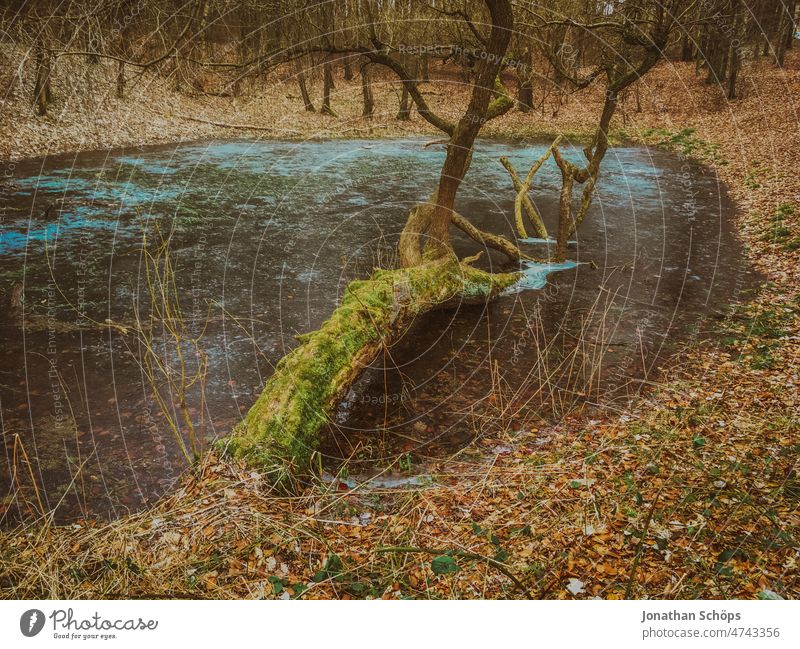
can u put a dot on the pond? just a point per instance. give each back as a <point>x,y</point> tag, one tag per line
<point>264,237</point>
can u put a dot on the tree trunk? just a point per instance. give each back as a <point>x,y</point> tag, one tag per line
<point>717,61</point>
<point>404,111</point>
<point>595,152</point>
<point>120,79</point>
<point>792,12</point>
<point>366,91</point>
<point>301,81</point>
<point>524,93</point>
<point>327,80</point>
<point>687,49</point>
<point>732,75</point>
<point>42,93</point>
<point>348,69</point>
<point>734,53</point>
<point>280,432</point>
<point>785,32</point>
<point>459,149</point>
<point>565,212</point>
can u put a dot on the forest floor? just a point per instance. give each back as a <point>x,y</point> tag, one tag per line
<point>691,493</point>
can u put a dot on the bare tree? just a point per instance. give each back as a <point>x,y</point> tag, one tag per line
<point>366,90</point>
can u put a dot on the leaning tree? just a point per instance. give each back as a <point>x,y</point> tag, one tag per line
<point>616,43</point>
<point>280,432</point>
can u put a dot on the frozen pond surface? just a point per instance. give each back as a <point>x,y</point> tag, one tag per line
<point>265,236</point>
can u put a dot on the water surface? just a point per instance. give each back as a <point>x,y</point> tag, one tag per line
<point>265,236</point>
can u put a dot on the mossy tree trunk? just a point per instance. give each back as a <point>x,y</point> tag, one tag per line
<point>280,432</point>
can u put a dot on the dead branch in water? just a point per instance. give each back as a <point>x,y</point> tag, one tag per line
<point>522,199</point>
<point>490,240</point>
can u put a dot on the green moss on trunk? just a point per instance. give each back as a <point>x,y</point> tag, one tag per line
<point>280,433</point>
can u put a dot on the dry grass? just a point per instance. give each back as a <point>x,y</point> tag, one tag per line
<point>565,502</point>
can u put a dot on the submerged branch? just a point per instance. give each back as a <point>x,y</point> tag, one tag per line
<point>489,240</point>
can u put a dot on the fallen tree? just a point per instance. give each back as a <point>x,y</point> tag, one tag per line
<point>280,433</point>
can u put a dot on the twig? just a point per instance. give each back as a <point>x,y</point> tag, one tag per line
<point>464,555</point>
<point>640,546</point>
<point>244,127</point>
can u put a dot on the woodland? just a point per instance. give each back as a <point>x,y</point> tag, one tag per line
<point>671,473</point>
